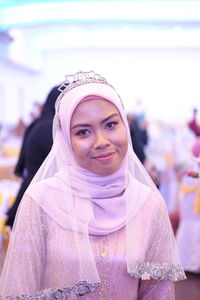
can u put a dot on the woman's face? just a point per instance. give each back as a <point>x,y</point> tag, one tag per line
<point>98,136</point>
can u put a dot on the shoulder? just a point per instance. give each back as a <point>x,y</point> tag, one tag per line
<point>43,186</point>
<point>145,202</point>
<point>29,211</point>
<point>146,192</point>
<point>154,201</point>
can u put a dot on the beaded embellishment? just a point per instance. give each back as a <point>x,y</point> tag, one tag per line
<point>157,271</point>
<point>73,80</point>
<point>69,293</point>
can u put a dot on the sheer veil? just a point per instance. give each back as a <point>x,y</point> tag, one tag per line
<point>89,204</point>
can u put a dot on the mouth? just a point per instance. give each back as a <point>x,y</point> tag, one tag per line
<point>104,156</point>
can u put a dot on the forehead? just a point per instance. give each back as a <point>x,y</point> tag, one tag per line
<point>96,105</point>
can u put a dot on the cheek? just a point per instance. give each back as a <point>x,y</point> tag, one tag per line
<point>124,144</point>
<point>121,139</point>
<point>80,147</point>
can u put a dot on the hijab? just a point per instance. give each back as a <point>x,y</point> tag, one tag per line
<point>108,210</point>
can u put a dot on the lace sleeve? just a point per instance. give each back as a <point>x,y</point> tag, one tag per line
<point>161,261</point>
<point>25,258</point>
<point>162,249</point>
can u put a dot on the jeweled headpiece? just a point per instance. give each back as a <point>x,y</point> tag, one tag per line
<point>73,80</point>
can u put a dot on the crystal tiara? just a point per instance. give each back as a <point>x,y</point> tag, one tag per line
<point>73,80</point>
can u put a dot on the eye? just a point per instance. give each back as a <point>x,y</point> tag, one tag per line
<point>111,124</point>
<point>83,132</point>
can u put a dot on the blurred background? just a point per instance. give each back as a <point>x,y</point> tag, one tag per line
<point>148,50</point>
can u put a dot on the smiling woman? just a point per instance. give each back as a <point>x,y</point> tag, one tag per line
<point>91,224</point>
<point>99,146</point>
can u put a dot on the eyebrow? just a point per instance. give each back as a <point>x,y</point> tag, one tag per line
<point>88,125</point>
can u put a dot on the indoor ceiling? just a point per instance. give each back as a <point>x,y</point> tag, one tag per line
<point>125,23</point>
<point>15,13</point>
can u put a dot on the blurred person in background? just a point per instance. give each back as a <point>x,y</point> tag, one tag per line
<point>188,232</point>
<point>136,138</point>
<point>36,110</point>
<point>37,142</point>
<point>193,124</point>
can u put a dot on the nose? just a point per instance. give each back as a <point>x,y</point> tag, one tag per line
<point>100,140</point>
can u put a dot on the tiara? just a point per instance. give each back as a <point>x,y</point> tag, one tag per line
<point>73,80</point>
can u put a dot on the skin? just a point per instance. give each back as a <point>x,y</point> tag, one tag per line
<point>98,136</point>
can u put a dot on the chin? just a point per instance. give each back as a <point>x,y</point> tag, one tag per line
<point>106,172</point>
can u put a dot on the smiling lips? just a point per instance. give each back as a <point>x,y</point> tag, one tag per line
<point>105,156</point>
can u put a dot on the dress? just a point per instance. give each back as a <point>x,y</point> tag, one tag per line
<point>92,224</point>
<point>40,257</point>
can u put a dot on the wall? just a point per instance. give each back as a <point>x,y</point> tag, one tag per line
<point>166,80</point>
<point>17,92</point>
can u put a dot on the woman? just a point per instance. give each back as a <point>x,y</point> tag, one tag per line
<point>91,223</point>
